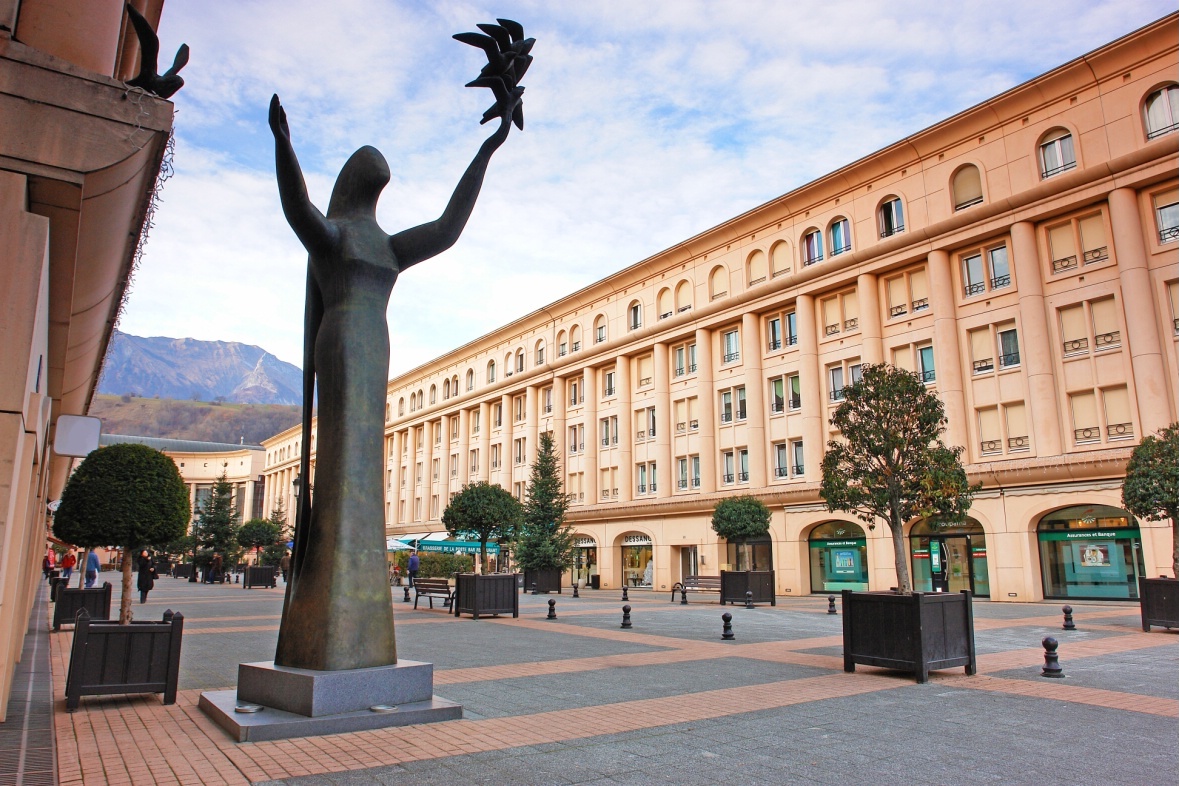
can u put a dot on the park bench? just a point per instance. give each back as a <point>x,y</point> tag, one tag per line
<point>433,588</point>
<point>696,584</point>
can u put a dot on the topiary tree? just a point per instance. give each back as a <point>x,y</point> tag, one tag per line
<point>891,463</point>
<point>256,534</point>
<point>1151,488</point>
<point>544,542</point>
<point>483,512</point>
<point>736,518</point>
<point>124,495</point>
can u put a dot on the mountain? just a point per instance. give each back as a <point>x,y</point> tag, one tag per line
<point>203,421</point>
<point>184,368</point>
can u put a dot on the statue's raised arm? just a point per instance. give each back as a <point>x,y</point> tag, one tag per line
<point>310,226</point>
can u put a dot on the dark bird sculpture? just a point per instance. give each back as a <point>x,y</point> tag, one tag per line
<point>149,54</point>
<point>507,59</point>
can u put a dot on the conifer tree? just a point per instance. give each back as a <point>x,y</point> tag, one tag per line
<point>545,543</point>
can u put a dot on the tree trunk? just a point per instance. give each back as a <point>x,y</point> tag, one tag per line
<point>1174,514</point>
<point>125,601</point>
<point>898,547</point>
<point>482,556</point>
<point>82,565</point>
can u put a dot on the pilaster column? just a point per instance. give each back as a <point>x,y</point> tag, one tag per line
<point>663,425</point>
<point>706,403</point>
<point>415,489</point>
<point>508,430</point>
<point>444,480</point>
<point>485,442</point>
<point>560,427</point>
<point>946,354</point>
<point>428,470</point>
<point>531,418</point>
<point>755,408</point>
<point>1146,353</point>
<point>589,391</point>
<point>868,296</point>
<point>464,456</point>
<point>626,432</point>
<point>1035,352</point>
<point>813,442</point>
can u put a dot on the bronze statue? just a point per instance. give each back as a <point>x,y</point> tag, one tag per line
<point>338,612</point>
<point>149,77</point>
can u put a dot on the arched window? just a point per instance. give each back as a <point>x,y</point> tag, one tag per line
<point>599,329</point>
<point>718,283</point>
<point>575,338</point>
<point>1090,551</point>
<point>839,557</point>
<point>891,216</point>
<point>756,269</point>
<point>446,390</point>
<point>634,315</point>
<point>1056,153</point>
<point>967,187</point>
<point>421,399</point>
<point>1162,111</point>
<point>413,402</point>
<point>812,247</point>
<point>538,353</point>
<point>683,296</point>
<point>470,379</point>
<point>840,231</point>
<point>400,407</point>
<point>454,388</point>
<point>519,360</point>
<point>562,344</point>
<point>663,303</point>
<point>433,394</point>
<point>780,259</point>
<point>490,371</point>
<point>388,412</point>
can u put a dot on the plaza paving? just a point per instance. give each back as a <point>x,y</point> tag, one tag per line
<point>578,700</point>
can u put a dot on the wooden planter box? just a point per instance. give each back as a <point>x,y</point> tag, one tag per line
<point>54,583</point>
<point>1159,599</point>
<point>260,576</point>
<point>486,594</point>
<point>735,583</point>
<point>182,571</point>
<point>547,580</point>
<point>918,633</point>
<point>106,658</point>
<point>96,601</point>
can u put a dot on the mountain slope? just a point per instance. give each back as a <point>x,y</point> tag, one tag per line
<point>184,368</point>
<point>207,422</point>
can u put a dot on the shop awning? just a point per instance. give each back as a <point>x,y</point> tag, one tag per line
<point>456,546</point>
<point>393,544</point>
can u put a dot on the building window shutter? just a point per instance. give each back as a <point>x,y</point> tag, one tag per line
<point>1105,317</point>
<point>1117,405</point>
<point>851,306</point>
<point>902,357</point>
<point>1062,241</point>
<point>988,426</point>
<point>918,286</point>
<point>1017,425</point>
<point>1092,233</point>
<point>1072,323</point>
<point>1084,410</point>
<point>980,345</point>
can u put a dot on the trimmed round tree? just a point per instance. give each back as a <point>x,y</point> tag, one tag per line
<point>257,534</point>
<point>891,464</point>
<point>124,495</point>
<point>1151,489</point>
<point>737,518</point>
<point>482,512</point>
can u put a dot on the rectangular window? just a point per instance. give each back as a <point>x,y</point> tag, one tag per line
<point>898,297</point>
<point>1073,331</point>
<point>851,310</point>
<point>1166,216</point>
<point>475,421</point>
<point>691,358</point>
<point>1173,292</point>
<point>1017,427</point>
<point>742,466</point>
<point>1000,270</point>
<point>732,346</point>
<point>540,356</point>
<point>918,290</point>
<point>973,275</point>
<point>990,439</point>
<point>495,453</point>
<point>641,478</point>
<point>646,370</point>
<point>680,369</point>
<point>831,318</point>
<point>1094,247</point>
<point>774,329</point>
<point>791,329</point>
<point>608,389</point>
<point>613,429</point>
<point>777,395</point>
<point>726,408</point>
<point>892,218</point>
<point>902,357</point>
<point>1008,348</point>
<point>729,462</point>
<point>695,471</point>
<point>682,472</point>
<point>781,461</point>
<point>982,358</point>
<point>1106,332</point>
<point>1085,425</point>
<point>474,461</point>
<point>741,403</point>
<point>795,386</point>
<point>840,237</point>
<point>575,396</point>
<point>604,429</point>
<point>855,373</point>
<point>1062,244</point>
<point>693,413</point>
<point>1118,423</point>
<point>636,317</point>
<point>562,349</point>
<point>797,467</point>
<point>650,422</point>
<point>925,364</point>
<point>835,376</point>
<point>499,415</point>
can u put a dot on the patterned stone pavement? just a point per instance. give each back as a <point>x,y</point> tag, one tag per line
<point>578,700</point>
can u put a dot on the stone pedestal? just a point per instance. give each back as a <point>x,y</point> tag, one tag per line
<point>303,702</point>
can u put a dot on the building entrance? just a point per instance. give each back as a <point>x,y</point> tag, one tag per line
<point>949,557</point>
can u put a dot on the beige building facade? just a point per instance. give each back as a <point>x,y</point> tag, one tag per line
<point>79,160</point>
<point>280,468</point>
<point>1020,256</point>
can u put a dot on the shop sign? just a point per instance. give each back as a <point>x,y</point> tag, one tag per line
<point>1127,533</point>
<point>586,542</point>
<point>637,540</point>
<point>824,544</point>
<point>456,546</point>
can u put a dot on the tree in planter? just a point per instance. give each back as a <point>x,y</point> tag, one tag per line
<point>482,512</point>
<point>1151,488</point>
<point>891,463</point>
<point>123,495</point>
<point>216,525</point>
<point>544,542</point>
<point>740,518</point>
<point>257,534</point>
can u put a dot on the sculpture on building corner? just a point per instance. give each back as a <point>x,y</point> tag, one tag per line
<point>149,77</point>
<point>338,612</point>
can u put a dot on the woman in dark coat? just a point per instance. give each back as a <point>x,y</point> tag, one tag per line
<point>147,575</point>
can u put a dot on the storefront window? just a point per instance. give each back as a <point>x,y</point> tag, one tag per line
<point>1090,551</point>
<point>839,557</point>
<point>949,557</point>
<point>749,554</point>
<point>638,568</point>
<point>585,561</point>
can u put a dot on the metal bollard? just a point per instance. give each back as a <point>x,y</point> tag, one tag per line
<point>236,578</point>
<point>831,605</point>
<point>683,596</point>
<point>534,592</point>
<point>626,616</point>
<point>406,598</point>
<point>1051,659</point>
<point>727,631</point>
<point>552,610</point>
<point>575,590</point>
<point>748,599</point>
<point>1068,618</point>
<point>624,597</point>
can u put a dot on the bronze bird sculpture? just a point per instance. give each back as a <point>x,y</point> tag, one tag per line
<point>149,77</point>
<point>507,59</point>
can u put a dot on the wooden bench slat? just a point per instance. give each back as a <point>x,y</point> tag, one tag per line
<point>433,588</point>
<point>696,584</point>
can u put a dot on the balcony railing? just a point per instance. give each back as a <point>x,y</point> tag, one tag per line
<point>614,493</point>
<point>640,436</point>
<point>795,401</point>
<point>1090,434</point>
<point>562,350</point>
<point>727,479</point>
<point>693,425</point>
<point>680,428</point>
<point>797,469</point>
<point>666,314</point>
<point>830,330</point>
<point>605,442</point>
<point>975,289</point>
<point>812,260</point>
<point>928,376</point>
<point>836,395</point>
<point>998,282</point>
<point>1168,234</point>
<point>1119,430</point>
<point>1164,130</point>
<point>781,472</point>
<point>695,483</point>
<point>889,231</point>
<point>1076,345</point>
<point>605,493</point>
<point>682,309</point>
<point>1177,325</point>
<point>682,484</point>
<point>614,440</point>
<point>495,464</point>
<point>851,324</point>
<point>1106,340</point>
<point>634,325</point>
<point>791,340</point>
<point>777,405</point>
<point>920,304</point>
<point>732,357</point>
<point>576,346</point>
<point>1096,255</point>
<point>548,408</point>
<point>897,311</point>
<point>691,368</point>
<point>1067,263</point>
<point>991,445</point>
<point>983,366</point>
<point>581,496</point>
<point>1017,443</point>
<point>608,392</point>
<point>969,203</point>
<point>775,343</point>
<point>840,249</point>
<point>726,417</point>
<point>679,372</point>
<point>644,381</point>
<point>642,488</point>
<point>1056,170</point>
<point>743,477</point>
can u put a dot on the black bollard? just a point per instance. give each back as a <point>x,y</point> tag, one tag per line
<point>727,631</point>
<point>552,610</point>
<point>683,596</point>
<point>1051,659</point>
<point>534,592</point>
<point>624,597</point>
<point>1068,618</point>
<point>406,598</point>
<point>575,590</point>
<point>236,576</point>
<point>626,616</point>
<point>748,599</point>
<point>831,605</point>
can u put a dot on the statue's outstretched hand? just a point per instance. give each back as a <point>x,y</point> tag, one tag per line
<point>278,120</point>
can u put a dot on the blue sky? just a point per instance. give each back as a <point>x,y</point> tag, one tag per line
<point>645,123</point>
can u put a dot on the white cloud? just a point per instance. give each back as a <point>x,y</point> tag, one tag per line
<point>646,123</point>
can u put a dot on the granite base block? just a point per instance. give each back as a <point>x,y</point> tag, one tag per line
<point>276,724</point>
<point>319,693</point>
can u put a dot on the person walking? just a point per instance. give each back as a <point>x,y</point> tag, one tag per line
<point>284,565</point>
<point>147,575</point>
<point>92,567</point>
<point>414,564</point>
<point>46,566</point>
<point>67,565</point>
